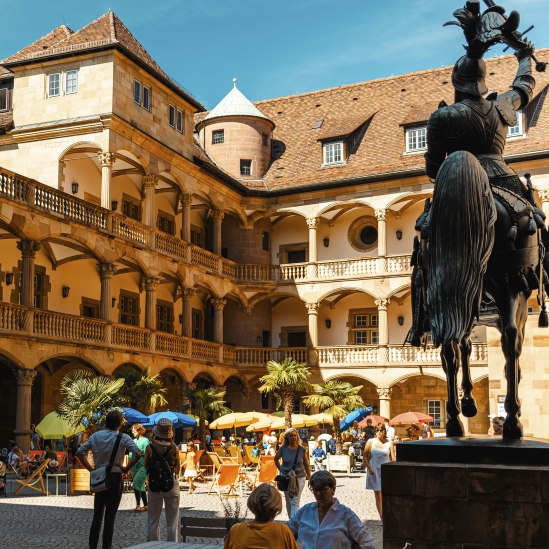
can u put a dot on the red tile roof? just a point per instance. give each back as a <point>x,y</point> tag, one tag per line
<point>107,30</point>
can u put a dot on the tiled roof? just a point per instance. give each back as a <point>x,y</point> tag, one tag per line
<point>107,30</point>
<point>393,102</point>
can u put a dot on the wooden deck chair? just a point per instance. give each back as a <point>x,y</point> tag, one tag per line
<point>220,451</point>
<point>217,464</point>
<point>228,476</point>
<point>266,471</point>
<point>252,461</point>
<point>199,471</point>
<point>35,478</point>
<point>182,463</point>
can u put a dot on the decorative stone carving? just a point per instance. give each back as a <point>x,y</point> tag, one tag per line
<point>312,308</point>
<point>106,159</point>
<point>25,377</point>
<point>312,222</point>
<point>28,248</point>
<point>219,303</point>
<point>382,303</point>
<point>381,214</point>
<point>384,393</point>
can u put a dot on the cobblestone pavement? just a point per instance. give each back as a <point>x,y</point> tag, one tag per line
<point>29,521</point>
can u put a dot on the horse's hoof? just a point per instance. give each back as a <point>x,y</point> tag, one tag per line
<point>454,428</point>
<point>512,429</point>
<point>468,407</point>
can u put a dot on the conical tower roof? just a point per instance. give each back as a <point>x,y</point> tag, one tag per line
<point>235,103</point>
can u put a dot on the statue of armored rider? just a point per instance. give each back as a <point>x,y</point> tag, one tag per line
<point>478,123</point>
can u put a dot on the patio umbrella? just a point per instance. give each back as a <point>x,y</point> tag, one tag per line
<point>324,436</point>
<point>53,426</point>
<point>323,418</point>
<point>375,420</point>
<point>178,419</point>
<point>236,419</point>
<point>408,418</point>
<point>277,423</point>
<point>355,415</point>
<point>133,416</point>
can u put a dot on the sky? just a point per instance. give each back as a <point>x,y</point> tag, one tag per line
<point>274,48</point>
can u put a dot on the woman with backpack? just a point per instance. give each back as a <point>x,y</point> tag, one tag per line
<point>162,466</point>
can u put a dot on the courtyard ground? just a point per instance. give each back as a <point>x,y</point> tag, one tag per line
<point>57,522</point>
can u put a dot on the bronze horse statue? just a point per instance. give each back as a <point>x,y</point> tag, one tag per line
<point>481,236</point>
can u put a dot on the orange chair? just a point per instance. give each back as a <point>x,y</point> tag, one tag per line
<point>228,476</point>
<point>267,470</point>
<point>251,461</point>
<point>36,478</point>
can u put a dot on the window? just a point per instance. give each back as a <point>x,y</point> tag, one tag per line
<point>164,316</point>
<point>197,325</point>
<point>54,84</point>
<point>146,104</point>
<point>171,116</point>
<point>90,308</point>
<point>131,207</point>
<point>362,233</point>
<point>363,327</point>
<point>516,131</point>
<point>40,292</point>
<point>197,236</point>
<point>265,401</point>
<point>434,409</point>
<point>265,139</point>
<point>416,139</point>
<point>245,167</point>
<point>218,136</point>
<point>265,241</point>
<point>180,121</point>
<point>166,222</point>
<point>129,308</point>
<point>142,95</point>
<point>4,99</point>
<point>333,152</point>
<point>137,92</point>
<point>71,81</point>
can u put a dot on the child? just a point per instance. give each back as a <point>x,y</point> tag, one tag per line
<point>190,466</point>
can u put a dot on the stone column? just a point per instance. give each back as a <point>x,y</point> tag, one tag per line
<point>186,202</point>
<point>23,408</point>
<point>544,196</point>
<point>187,312</point>
<point>219,305</point>
<point>312,223</point>
<point>384,402</point>
<point>149,199</point>
<point>106,272</point>
<point>312,313</point>
<point>151,283</point>
<point>381,239</point>
<point>218,216</point>
<point>107,160</point>
<point>28,250</point>
<point>383,331</point>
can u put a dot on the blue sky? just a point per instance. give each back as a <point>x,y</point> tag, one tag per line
<point>273,48</point>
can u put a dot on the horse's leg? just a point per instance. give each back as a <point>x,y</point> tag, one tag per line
<point>450,355</point>
<point>513,311</point>
<point>468,404</point>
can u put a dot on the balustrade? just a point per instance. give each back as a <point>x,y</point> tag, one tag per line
<point>204,259</point>
<point>205,350</point>
<point>131,337</point>
<point>171,245</point>
<point>67,327</point>
<point>293,271</point>
<point>131,230</point>
<point>228,268</point>
<point>172,344</point>
<point>399,264</point>
<point>258,273</point>
<point>347,268</point>
<point>347,355</point>
<point>12,317</point>
<point>257,356</point>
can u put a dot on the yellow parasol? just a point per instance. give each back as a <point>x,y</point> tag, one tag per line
<point>323,418</point>
<point>236,419</point>
<point>54,426</point>
<point>277,423</point>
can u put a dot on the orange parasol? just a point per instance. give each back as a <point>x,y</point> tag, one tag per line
<point>407,418</point>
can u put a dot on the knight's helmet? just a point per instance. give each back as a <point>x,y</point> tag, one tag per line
<point>469,75</point>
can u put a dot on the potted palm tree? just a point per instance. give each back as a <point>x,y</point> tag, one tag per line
<point>143,391</point>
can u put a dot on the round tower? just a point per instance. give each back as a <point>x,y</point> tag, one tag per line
<point>236,135</point>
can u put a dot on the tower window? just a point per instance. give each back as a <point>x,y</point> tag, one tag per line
<point>245,167</point>
<point>264,139</point>
<point>218,136</point>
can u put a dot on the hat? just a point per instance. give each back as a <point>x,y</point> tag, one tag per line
<point>223,439</point>
<point>163,429</point>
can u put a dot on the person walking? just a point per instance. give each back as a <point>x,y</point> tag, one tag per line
<point>139,473</point>
<point>319,456</point>
<point>190,466</point>
<point>378,450</point>
<point>162,465</point>
<point>290,461</point>
<point>106,503</point>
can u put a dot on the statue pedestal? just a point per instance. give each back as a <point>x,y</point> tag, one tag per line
<point>467,493</point>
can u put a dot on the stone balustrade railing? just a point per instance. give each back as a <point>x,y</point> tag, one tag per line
<point>60,204</point>
<point>60,327</point>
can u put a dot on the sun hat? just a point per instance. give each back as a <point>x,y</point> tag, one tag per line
<point>163,429</point>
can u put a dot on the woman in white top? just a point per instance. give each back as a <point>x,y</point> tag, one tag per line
<point>378,451</point>
<point>326,523</point>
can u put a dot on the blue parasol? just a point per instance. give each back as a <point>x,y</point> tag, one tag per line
<point>355,415</point>
<point>133,416</point>
<point>178,419</point>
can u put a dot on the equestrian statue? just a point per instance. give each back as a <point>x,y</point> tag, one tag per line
<point>481,237</point>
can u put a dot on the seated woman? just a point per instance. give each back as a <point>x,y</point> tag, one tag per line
<point>326,522</point>
<point>53,465</point>
<point>18,462</point>
<point>265,503</point>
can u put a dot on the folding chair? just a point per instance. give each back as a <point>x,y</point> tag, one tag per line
<point>266,471</point>
<point>199,471</point>
<point>252,461</point>
<point>227,476</point>
<point>35,478</point>
<point>217,464</point>
<point>220,451</point>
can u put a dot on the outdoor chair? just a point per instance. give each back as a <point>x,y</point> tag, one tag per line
<point>216,464</point>
<point>203,527</point>
<point>227,477</point>
<point>250,461</point>
<point>220,451</point>
<point>37,477</point>
<point>266,471</point>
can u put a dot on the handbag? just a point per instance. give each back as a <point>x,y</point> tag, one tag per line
<point>283,481</point>
<point>99,478</point>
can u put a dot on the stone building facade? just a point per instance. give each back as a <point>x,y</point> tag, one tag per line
<point>138,230</point>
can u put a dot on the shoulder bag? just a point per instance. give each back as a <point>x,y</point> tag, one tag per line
<point>283,481</point>
<point>99,478</point>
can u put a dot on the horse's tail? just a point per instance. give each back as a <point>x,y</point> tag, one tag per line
<point>461,238</point>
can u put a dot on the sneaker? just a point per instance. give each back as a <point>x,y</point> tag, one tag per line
<point>138,508</point>
<point>145,508</point>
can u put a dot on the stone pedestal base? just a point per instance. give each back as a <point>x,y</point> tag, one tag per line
<point>452,504</point>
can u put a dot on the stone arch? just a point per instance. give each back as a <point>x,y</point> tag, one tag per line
<point>79,145</point>
<point>238,393</point>
<point>239,214</point>
<point>130,367</point>
<point>369,388</point>
<point>136,156</point>
<point>348,290</point>
<point>403,287</point>
<point>345,204</point>
<point>7,223</point>
<point>405,377</point>
<point>414,197</point>
<point>8,396</point>
<point>66,239</point>
<point>209,377</point>
<point>174,382</point>
<point>136,261</point>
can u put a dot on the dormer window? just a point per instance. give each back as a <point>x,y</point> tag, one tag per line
<point>218,136</point>
<point>333,152</point>
<point>4,99</point>
<point>416,139</point>
<point>516,131</point>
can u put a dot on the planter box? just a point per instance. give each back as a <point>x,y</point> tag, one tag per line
<point>339,463</point>
<point>79,480</point>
